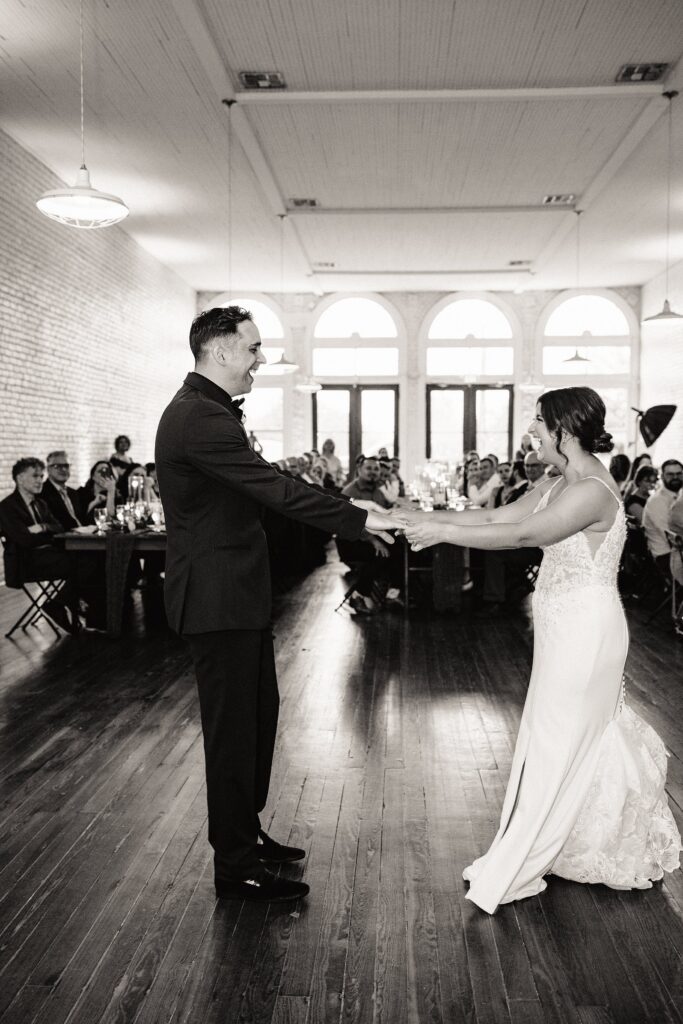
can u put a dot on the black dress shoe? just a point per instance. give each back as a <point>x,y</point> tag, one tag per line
<point>270,852</point>
<point>263,887</point>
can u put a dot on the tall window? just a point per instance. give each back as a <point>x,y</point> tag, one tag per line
<point>469,360</point>
<point>587,339</point>
<point>355,337</point>
<point>264,406</point>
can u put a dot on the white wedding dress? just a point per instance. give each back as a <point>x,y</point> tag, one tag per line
<point>585,799</point>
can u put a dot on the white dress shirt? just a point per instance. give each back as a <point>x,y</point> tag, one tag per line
<point>656,521</point>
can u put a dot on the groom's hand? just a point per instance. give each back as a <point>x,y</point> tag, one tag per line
<point>378,523</point>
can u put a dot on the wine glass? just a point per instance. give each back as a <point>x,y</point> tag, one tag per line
<point>100,519</point>
<point>157,514</point>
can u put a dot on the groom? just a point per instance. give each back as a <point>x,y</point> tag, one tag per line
<point>214,489</point>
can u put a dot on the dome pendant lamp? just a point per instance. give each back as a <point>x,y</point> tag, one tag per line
<point>667,313</point>
<point>82,206</point>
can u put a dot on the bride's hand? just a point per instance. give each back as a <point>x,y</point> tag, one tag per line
<point>423,534</point>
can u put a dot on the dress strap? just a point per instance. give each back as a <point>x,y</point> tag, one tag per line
<point>604,484</point>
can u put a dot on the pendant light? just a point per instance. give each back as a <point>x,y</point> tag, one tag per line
<point>82,206</point>
<point>309,386</point>
<point>667,313</point>
<point>283,365</point>
<point>577,358</point>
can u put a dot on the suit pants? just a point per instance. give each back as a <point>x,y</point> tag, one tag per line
<point>239,703</point>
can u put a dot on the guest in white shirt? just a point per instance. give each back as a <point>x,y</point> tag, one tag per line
<point>334,466</point>
<point>656,513</point>
<point>489,481</point>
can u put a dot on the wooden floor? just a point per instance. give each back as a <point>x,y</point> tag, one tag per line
<point>394,749</point>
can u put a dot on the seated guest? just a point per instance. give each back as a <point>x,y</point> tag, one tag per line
<point>305,464</point>
<point>387,482</point>
<point>293,466</point>
<point>121,459</point>
<point>99,491</point>
<point>534,474</point>
<point>396,469</point>
<point>500,495</point>
<point>640,460</point>
<point>619,466</point>
<point>31,551</point>
<point>334,466</point>
<point>676,526</point>
<point>132,484</point>
<point>365,485</point>
<point>656,513</point>
<point>644,484</point>
<point>63,501</point>
<point>151,474</point>
<point>526,445</point>
<point>479,492</point>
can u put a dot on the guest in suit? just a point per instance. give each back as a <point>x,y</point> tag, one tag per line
<point>31,552</point>
<point>214,488</point>
<point>63,501</point>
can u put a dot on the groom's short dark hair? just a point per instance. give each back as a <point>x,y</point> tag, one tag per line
<point>219,322</point>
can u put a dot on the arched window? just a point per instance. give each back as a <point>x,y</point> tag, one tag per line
<point>590,337</point>
<point>269,325</point>
<point>469,345</point>
<point>355,337</point>
<point>474,339</point>
<point>264,406</point>
<point>355,316</point>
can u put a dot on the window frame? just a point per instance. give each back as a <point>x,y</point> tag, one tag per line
<point>469,412</point>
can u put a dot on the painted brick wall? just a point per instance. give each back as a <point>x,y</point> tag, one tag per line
<point>93,330</point>
<point>661,364</point>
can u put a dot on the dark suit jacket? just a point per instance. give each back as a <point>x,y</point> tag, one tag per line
<point>15,519</point>
<point>214,488</point>
<point>55,502</point>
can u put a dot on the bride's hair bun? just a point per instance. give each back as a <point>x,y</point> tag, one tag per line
<point>577,412</point>
<point>603,443</point>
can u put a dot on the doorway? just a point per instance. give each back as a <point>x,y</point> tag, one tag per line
<point>358,418</point>
<point>465,416</point>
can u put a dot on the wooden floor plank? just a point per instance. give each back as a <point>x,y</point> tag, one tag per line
<point>393,752</point>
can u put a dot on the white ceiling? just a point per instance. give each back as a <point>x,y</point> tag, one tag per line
<point>400,117</point>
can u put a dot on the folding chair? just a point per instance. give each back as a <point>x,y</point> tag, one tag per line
<point>47,591</point>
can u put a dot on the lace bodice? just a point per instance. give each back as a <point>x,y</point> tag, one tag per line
<point>569,564</point>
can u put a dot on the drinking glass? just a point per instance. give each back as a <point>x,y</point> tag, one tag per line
<point>121,514</point>
<point>100,519</point>
<point>427,502</point>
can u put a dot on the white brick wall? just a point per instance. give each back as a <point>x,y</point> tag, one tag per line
<point>661,365</point>
<point>93,330</point>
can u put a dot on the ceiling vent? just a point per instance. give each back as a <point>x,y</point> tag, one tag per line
<point>262,80</point>
<point>642,72</point>
<point>323,265</point>
<point>559,199</point>
<point>303,204</point>
<point>519,263</point>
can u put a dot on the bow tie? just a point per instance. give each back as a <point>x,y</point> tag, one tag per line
<point>236,406</point>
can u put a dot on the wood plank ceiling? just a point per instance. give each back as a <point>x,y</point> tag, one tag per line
<point>393,109</point>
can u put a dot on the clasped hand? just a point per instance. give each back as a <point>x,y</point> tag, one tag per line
<point>419,528</point>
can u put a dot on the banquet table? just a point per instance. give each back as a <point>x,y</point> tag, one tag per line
<point>118,547</point>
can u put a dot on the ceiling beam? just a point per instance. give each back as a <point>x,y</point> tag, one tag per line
<point>630,91</point>
<point>396,211</point>
<point>648,117</point>
<point>204,46</point>
<point>514,271</point>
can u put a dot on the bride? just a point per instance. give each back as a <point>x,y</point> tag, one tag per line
<point>585,798</point>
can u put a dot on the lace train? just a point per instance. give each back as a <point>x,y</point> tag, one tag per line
<point>625,835</point>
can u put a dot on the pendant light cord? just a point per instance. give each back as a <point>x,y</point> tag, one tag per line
<point>668,200</point>
<point>82,90</point>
